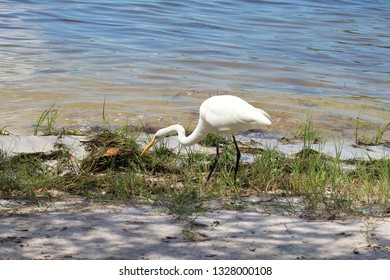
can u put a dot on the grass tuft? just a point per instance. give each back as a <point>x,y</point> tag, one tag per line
<point>366,140</point>
<point>49,116</point>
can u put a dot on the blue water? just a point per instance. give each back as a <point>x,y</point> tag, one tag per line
<point>83,51</point>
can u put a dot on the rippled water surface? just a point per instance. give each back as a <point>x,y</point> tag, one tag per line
<point>157,60</point>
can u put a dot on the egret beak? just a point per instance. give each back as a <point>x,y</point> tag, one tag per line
<point>148,146</point>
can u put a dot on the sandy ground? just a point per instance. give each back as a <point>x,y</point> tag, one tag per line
<point>89,231</point>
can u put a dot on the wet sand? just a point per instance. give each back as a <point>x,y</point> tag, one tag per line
<point>334,118</point>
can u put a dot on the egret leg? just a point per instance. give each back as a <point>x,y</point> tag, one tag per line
<point>238,156</point>
<point>214,164</point>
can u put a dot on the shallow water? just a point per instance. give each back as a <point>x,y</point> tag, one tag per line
<point>152,61</point>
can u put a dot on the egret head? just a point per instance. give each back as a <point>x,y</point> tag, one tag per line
<point>157,137</point>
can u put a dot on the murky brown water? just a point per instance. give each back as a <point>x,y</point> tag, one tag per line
<point>154,62</point>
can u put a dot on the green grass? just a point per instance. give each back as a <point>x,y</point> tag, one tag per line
<point>48,116</point>
<point>367,140</point>
<point>177,181</point>
<point>4,131</point>
<point>304,132</point>
<point>105,118</point>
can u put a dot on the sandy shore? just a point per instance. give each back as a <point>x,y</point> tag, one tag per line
<point>88,231</point>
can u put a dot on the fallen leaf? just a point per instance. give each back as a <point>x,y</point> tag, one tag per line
<point>170,237</point>
<point>62,228</point>
<point>344,234</point>
<point>203,234</point>
<point>215,223</point>
<point>21,229</point>
<point>111,152</point>
<point>332,217</point>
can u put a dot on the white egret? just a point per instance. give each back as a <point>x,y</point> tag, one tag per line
<point>222,115</point>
